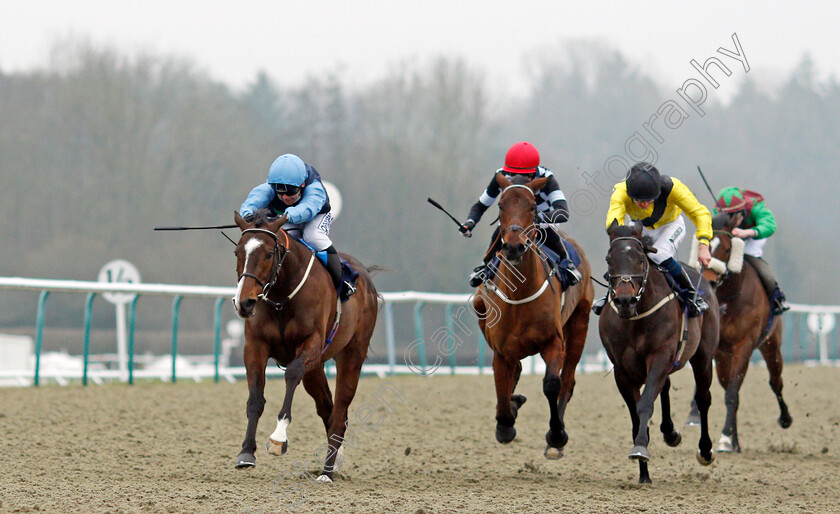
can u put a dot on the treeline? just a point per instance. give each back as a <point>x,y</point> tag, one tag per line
<point>99,148</point>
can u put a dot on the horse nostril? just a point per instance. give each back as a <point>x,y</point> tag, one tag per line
<point>249,304</point>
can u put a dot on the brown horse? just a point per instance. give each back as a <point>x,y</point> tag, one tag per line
<point>744,326</point>
<point>289,304</point>
<point>647,337</point>
<point>527,313</point>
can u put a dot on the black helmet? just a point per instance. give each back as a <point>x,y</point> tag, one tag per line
<point>643,182</point>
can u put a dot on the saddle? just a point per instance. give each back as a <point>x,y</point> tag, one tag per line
<point>348,274</point>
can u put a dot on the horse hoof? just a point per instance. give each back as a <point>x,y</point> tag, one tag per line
<point>674,439</point>
<point>275,448</point>
<point>703,460</point>
<point>245,460</point>
<point>552,453</point>
<point>324,479</point>
<point>785,421</point>
<point>645,480</point>
<point>558,442</point>
<point>505,434</point>
<point>639,453</point>
<point>692,421</point>
<point>725,445</point>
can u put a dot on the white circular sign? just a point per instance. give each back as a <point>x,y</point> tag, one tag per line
<point>820,323</point>
<point>335,198</point>
<point>235,328</point>
<point>119,271</point>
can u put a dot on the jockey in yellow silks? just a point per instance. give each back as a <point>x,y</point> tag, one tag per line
<point>658,201</point>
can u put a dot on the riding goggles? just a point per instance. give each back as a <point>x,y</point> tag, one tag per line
<point>286,189</point>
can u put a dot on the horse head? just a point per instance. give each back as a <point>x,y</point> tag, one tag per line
<point>259,257</point>
<point>627,266</point>
<point>517,211</point>
<point>727,250</point>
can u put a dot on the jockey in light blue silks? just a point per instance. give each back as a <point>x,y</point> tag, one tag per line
<point>294,188</point>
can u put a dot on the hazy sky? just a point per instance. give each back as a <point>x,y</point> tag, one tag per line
<point>289,39</point>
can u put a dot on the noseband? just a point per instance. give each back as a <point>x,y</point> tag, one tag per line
<point>628,277</point>
<point>275,269</point>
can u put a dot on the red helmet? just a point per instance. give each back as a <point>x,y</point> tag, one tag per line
<point>522,157</point>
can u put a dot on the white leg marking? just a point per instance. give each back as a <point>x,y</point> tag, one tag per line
<point>279,434</point>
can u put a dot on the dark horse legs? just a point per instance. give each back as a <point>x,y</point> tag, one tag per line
<point>558,389</point>
<point>630,394</point>
<point>641,410</point>
<point>506,377</point>
<point>701,365</point>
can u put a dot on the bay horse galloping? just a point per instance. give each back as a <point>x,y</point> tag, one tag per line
<point>647,337</point>
<point>746,324</point>
<point>528,313</point>
<point>289,306</point>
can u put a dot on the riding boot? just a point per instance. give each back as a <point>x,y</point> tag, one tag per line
<point>598,306</point>
<point>695,307</point>
<point>478,275</point>
<point>334,268</point>
<point>778,302</point>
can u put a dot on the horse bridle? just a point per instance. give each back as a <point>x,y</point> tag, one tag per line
<point>629,277</point>
<point>514,228</point>
<point>275,270</point>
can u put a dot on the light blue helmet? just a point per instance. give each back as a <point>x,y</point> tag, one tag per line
<point>287,169</point>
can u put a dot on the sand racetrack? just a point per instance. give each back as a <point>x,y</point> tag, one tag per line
<point>158,447</point>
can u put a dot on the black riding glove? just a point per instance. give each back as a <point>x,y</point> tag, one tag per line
<point>467,227</point>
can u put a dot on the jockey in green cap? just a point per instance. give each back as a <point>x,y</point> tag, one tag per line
<point>757,226</point>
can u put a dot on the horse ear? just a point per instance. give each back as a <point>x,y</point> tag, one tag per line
<point>637,229</point>
<point>241,223</point>
<point>275,225</point>
<point>537,184</point>
<point>612,227</point>
<point>502,180</point>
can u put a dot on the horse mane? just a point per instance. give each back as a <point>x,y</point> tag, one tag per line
<point>263,217</point>
<point>720,221</point>
<point>519,180</point>
<point>627,231</point>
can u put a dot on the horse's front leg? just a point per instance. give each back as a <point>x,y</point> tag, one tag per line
<point>256,357</point>
<point>308,357</point>
<point>505,375</point>
<point>738,371</point>
<point>556,437</point>
<point>630,393</point>
<point>658,369</point>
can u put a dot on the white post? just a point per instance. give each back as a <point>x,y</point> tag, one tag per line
<point>122,343</point>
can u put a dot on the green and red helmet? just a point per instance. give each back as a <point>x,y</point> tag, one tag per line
<point>731,199</point>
